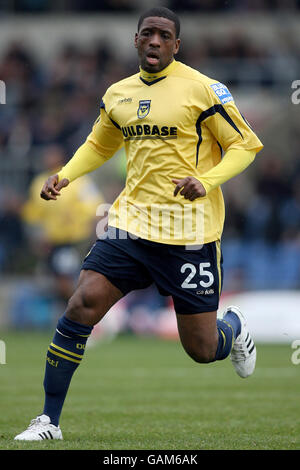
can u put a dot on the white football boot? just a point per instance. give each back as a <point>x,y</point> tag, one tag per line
<point>39,429</point>
<point>243,353</point>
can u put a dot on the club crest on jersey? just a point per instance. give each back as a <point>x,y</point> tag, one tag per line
<point>143,109</point>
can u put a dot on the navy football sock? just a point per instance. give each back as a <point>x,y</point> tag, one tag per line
<point>232,318</point>
<point>226,339</point>
<point>63,357</point>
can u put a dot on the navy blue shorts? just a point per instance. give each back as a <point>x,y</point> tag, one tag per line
<point>193,277</point>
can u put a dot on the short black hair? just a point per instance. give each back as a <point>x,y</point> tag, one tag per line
<point>162,12</point>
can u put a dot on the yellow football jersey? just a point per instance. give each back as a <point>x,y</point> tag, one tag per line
<point>174,124</point>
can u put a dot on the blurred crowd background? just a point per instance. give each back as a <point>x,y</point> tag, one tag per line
<point>57,59</point>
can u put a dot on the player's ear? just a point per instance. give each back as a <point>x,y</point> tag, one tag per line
<point>136,39</point>
<point>176,47</point>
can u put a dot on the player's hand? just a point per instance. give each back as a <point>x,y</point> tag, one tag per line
<point>52,187</point>
<point>190,187</point>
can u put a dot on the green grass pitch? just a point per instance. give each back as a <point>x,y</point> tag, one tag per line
<point>146,393</point>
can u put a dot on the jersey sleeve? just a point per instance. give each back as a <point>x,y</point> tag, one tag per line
<point>234,162</point>
<point>101,144</point>
<point>106,136</point>
<point>226,123</point>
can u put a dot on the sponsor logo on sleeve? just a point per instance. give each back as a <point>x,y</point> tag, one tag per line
<point>222,92</point>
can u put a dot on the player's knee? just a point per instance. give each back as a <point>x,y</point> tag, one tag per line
<point>82,308</point>
<point>202,354</point>
<point>75,310</point>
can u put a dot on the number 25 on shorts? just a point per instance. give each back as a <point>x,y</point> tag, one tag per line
<point>192,271</point>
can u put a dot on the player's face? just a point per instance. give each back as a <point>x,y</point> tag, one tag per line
<point>156,43</point>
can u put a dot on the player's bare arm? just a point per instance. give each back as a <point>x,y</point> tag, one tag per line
<point>190,187</point>
<point>52,186</point>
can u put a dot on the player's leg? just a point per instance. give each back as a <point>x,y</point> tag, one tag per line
<point>206,338</point>
<point>110,270</point>
<point>93,297</point>
<point>198,335</point>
